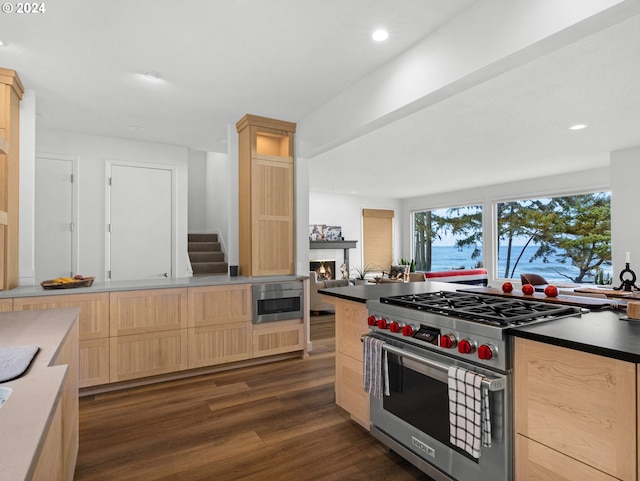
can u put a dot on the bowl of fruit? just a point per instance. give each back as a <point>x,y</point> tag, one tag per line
<point>67,282</point>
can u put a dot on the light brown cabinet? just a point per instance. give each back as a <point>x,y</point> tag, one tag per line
<point>93,326</point>
<point>56,460</point>
<point>11,91</point>
<point>219,325</point>
<point>351,324</point>
<point>148,333</point>
<point>128,335</point>
<point>575,415</point>
<point>278,337</point>
<point>266,196</point>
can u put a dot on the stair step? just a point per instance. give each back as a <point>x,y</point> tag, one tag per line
<point>206,256</point>
<point>202,238</point>
<point>203,247</point>
<point>204,268</point>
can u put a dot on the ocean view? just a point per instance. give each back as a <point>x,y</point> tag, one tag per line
<point>450,257</point>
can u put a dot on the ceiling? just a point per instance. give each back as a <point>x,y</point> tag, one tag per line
<point>286,58</point>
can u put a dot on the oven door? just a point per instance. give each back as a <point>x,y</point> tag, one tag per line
<point>416,415</point>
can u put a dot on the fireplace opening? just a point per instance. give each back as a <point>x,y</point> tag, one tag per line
<point>324,269</point>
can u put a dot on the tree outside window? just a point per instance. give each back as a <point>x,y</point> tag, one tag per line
<point>448,238</point>
<point>560,238</point>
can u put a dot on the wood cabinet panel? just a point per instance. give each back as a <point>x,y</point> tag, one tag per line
<point>350,393</point>
<point>138,312</point>
<point>94,310</point>
<point>50,465</point>
<point>6,305</point>
<point>273,220</point>
<point>579,404</point>
<point>351,325</point>
<point>11,91</point>
<point>537,462</point>
<point>142,355</point>
<point>266,196</point>
<point>220,343</point>
<point>219,305</point>
<point>68,355</point>
<point>277,338</point>
<point>94,362</point>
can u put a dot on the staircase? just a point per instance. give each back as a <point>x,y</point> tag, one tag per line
<point>207,258</point>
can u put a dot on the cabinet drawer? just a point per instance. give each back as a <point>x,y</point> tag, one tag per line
<point>143,355</point>
<point>94,362</point>
<point>580,404</point>
<point>138,312</point>
<point>277,338</point>
<point>351,324</point>
<point>94,310</point>
<point>350,393</point>
<point>6,305</point>
<point>536,462</point>
<point>219,305</point>
<point>210,345</point>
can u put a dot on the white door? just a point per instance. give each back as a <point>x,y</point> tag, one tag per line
<point>140,222</point>
<point>54,250</point>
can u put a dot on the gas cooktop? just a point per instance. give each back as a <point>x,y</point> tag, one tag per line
<point>481,308</point>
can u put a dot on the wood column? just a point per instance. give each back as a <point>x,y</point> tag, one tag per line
<point>11,91</point>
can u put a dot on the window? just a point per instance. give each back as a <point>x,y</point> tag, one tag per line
<point>560,238</point>
<point>446,239</point>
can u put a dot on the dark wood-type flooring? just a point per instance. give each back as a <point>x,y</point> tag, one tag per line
<point>276,421</point>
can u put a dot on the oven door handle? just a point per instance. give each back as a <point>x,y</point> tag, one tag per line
<point>492,384</point>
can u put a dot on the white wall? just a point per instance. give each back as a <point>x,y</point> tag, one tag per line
<point>575,183</point>
<point>92,152</point>
<point>346,211</point>
<point>218,196</point>
<point>625,172</point>
<point>27,188</point>
<point>197,184</point>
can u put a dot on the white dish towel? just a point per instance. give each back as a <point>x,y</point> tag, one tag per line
<point>375,369</point>
<point>469,411</point>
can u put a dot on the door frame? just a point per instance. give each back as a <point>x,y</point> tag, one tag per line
<point>107,205</point>
<point>75,198</point>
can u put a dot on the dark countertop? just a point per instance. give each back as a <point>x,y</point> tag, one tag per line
<point>606,333</point>
<point>373,292</point>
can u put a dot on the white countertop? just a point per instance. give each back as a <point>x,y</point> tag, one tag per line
<point>25,416</point>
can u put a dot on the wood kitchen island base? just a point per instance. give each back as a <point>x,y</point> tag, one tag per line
<point>351,324</point>
<point>39,420</point>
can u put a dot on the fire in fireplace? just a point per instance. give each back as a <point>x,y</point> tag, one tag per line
<point>324,269</point>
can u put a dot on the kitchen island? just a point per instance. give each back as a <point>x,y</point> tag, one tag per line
<point>576,384</point>
<point>39,420</point>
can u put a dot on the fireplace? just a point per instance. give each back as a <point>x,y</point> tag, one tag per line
<point>324,269</point>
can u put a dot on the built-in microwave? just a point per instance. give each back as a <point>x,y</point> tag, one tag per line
<point>277,301</point>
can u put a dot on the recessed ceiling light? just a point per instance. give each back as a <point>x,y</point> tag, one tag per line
<point>578,127</point>
<point>2,44</point>
<point>380,35</point>
<point>152,75</point>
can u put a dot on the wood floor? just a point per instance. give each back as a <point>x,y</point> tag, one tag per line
<point>272,422</point>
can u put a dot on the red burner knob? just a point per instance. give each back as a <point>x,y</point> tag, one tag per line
<point>466,346</point>
<point>372,321</point>
<point>407,331</point>
<point>394,327</point>
<point>486,352</point>
<point>382,323</point>
<point>448,341</point>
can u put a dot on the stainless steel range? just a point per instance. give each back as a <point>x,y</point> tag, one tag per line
<point>425,334</point>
